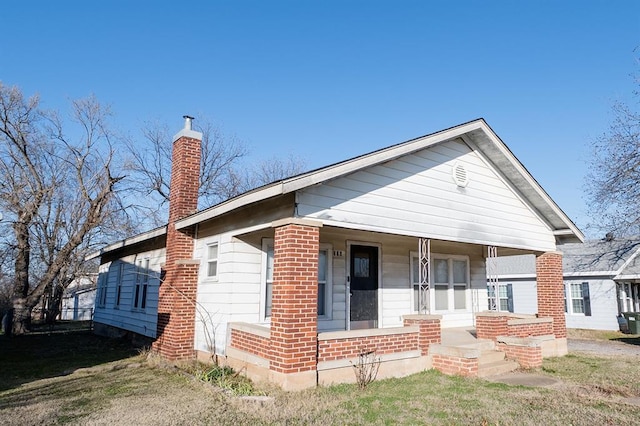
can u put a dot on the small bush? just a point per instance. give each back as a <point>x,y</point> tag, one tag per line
<point>226,378</point>
<point>366,368</point>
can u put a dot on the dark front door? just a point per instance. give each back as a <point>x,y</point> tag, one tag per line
<point>364,287</point>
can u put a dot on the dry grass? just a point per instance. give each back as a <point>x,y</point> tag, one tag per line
<point>577,333</point>
<point>128,390</point>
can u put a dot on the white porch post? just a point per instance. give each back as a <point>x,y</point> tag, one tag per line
<point>492,278</point>
<point>424,275</point>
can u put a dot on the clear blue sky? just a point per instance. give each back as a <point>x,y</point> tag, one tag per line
<point>328,80</point>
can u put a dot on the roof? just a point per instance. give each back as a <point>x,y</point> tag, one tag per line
<point>476,133</point>
<point>617,258</point>
<point>144,236</point>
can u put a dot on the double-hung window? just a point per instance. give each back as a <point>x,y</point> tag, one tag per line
<point>449,282</point>
<point>101,299</point>
<point>212,260</point>
<point>577,299</point>
<point>142,283</point>
<point>324,278</point>
<point>120,278</point>
<point>505,297</point>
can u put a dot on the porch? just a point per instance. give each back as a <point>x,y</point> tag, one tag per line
<point>421,344</point>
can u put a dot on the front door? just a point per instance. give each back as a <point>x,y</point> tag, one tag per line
<point>364,287</point>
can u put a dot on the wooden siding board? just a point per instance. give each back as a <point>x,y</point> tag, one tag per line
<point>125,317</point>
<point>394,197</point>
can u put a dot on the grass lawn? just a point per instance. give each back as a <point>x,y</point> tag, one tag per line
<point>78,378</point>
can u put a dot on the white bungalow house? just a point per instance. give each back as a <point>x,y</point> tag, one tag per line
<point>78,299</point>
<point>294,279</point>
<point>601,281</point>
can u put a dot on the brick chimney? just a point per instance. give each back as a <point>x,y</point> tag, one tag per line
<point>177,295</point>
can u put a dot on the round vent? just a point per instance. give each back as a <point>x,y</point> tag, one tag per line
<point>460,176</point>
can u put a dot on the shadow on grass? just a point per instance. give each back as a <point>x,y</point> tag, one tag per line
<point>43,355</point>
<point>629,340</point>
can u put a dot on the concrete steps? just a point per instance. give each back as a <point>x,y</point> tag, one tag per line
<point>460,342</point>
<point>492,363</point>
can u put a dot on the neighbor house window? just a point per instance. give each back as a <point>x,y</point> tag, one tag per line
<point>449,282</point>
<point>577,299</point>
<point>505,297</point>
<point>324,278</point>
<point>119,283</point>
<point>142,282</point>
<point>212,260</point>
<point>629,297</point>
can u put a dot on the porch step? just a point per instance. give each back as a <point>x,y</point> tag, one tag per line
<point>490,357</point>
<point>497,367</point>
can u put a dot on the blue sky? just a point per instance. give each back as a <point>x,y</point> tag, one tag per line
<point>328,80</point>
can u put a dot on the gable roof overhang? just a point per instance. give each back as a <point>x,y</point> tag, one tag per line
<point>476,133</point>
<point>127,242</point>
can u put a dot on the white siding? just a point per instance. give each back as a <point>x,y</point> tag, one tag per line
<point>78,306</point>
<point>237,293</point>
<point>416,195</point>
<point>604,307</point>
<point>141,321</point>
<point>234,295</point>
<point>525,297</point>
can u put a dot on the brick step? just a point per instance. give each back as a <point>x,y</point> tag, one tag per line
<point>498,367</point>
<point>490,357</point>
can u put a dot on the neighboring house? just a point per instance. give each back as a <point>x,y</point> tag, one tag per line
<point>601,280</point>
<point>78,299</point>
<point>272,279</point>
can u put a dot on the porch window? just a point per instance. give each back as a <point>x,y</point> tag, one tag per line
<point>324,279</point>
<point>441,284</point>
<point>212,260</point>
<point>459,284</point>
<point>577,299</point>
<point>450,281</point>
<point>415,280</point>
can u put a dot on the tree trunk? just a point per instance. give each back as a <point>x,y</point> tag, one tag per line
<point>21,316</point>
<point>21,311</point>
<point>54,305</point>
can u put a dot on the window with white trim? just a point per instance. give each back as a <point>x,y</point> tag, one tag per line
<point>577,299</point>
<point>415,281</point>
<point>324,278</point>
<point>119,284</point>
<point>142,283</point>
<point>212,260</point>
<point>101,299</point>
<point>628,297</point>
<point>505,297</point>
<point>449,282</point>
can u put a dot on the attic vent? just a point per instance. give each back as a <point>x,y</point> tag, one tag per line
<point>460,176</point>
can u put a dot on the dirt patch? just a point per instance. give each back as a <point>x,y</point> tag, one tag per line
<point>602,347</point>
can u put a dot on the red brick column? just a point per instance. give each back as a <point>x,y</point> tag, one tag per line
<point>294,312</point>
<point>430,330</point>
<point>551,291</point>
<point>177,295</point>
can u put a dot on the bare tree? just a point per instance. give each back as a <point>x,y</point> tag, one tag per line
<point>150,166</point>
<point>58,191</point>
<point>224,172</point>
<point>613,182</point>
